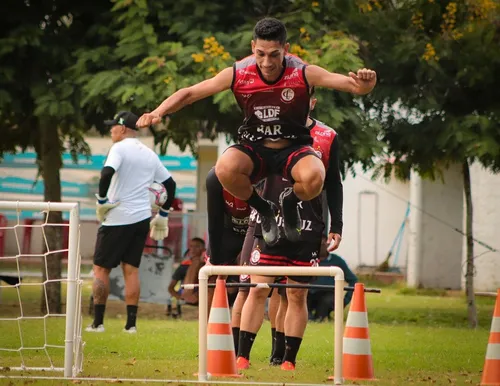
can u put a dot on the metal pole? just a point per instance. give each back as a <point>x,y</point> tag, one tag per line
<point>280,285</point>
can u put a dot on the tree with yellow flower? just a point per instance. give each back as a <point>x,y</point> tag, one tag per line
<point>438,60</point>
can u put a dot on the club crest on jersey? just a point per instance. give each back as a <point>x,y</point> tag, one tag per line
<point>319,153</point>
<point>255,257</point>
<point>244,278</point>
<point>287,94</point>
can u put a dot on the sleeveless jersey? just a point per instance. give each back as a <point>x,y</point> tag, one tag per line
<point>311,212</point>
<point>237,213</point>
<point>272,111</point>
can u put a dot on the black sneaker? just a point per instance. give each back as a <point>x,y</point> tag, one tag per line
<point>292,223</point>
<point>270,231</point>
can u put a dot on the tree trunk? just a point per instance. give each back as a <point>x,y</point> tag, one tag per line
<point>50,165</point>
<point>469,276</point>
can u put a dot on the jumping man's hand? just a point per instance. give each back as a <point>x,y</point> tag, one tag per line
<point>365,80</point>
<point>148,119</point>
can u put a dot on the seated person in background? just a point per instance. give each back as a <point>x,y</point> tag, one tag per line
<point>187,272</point>
<point>320,302</point>
<point>177,278</point>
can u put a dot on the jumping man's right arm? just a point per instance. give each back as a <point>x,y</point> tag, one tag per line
<point>185,96</point>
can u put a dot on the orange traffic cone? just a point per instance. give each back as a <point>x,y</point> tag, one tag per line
<point>221,358</point>
<point>357,359</point>
<point>491,371</point>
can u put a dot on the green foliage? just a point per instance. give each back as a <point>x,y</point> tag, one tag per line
<point>37,85</point>
<point>161,46</point>
<point>438,96</point>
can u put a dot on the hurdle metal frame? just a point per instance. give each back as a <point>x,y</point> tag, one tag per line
<point>211,270</point>
<point>72,362</point>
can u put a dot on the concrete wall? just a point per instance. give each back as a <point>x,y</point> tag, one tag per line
<point>486,227</point>
<point>373,214</point>
<point>435,254</point>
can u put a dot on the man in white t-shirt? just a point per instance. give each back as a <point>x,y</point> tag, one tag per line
<point>124,209</point>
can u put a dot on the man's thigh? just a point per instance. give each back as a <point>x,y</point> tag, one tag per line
<point>286,159</point>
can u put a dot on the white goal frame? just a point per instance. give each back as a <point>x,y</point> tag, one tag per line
<point>207,271</point>
<point>73,355</point>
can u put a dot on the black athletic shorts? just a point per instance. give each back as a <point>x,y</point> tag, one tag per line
<point>302,254</point>
<point>121,243</point>
<point>274,161</point>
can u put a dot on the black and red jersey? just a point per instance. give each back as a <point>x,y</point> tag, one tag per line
<point>272,110</point>
<point>236,212</point>
<point>311,212</point>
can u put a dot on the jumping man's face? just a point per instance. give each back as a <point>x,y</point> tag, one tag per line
<point>269,56</point>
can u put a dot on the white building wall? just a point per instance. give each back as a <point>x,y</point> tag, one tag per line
<point>486,227</point>
<point>435,258</point>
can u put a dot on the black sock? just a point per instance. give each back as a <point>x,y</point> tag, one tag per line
<point>131,316</point>
<point>292,345</point>
<point>99,314</point>
<point>236,338</point>
<point>273,340</point>
<point>259,204</point>
<point>245,344</point>
<point>290,201</point>
<point>279,348</point>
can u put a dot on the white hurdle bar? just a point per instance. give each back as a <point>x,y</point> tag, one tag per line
<point>211,270</point>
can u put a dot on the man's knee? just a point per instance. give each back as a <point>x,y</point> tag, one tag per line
<point>101,272</point>
<point>258,294</point>
<point>231,162</point>
<point>296,295</point>
<point>309,173</point>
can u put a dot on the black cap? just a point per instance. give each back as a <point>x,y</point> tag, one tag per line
<point>125,118</point>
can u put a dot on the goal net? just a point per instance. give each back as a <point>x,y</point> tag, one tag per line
<point>38,333</point>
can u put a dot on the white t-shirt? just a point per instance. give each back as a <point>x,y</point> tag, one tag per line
<point>136,167</point>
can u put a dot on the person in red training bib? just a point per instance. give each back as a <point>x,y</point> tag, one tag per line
<point>272,88</point>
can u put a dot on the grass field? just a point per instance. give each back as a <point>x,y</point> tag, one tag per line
<point>417,337</point>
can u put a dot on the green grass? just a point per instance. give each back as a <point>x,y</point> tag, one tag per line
<point>416,340</point>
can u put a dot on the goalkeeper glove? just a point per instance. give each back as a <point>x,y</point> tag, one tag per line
<point>159,226</point>
<point>103,207</point>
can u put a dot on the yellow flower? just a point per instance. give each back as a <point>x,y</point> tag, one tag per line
<point>315,4</point>
<point>225,55</point>
<point>430,53</point>
<point>302,30</point>
<point>198,58</point>
<point>168,79</point>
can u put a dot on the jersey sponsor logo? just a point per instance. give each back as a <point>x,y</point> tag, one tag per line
<point>294,74</point>
<point>287,95</point>
<point>241,231</point>
<point>270,130</point>
<point>246,96</point>
<point>323,133</point>
<point>268,113</point>
<point>246,72</point>
<point>239,221</point>
<point>242,208</point>
<point>255,257</point>
<point>245,81</point>
<point>305,226</point>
